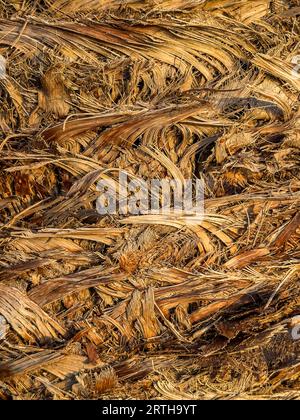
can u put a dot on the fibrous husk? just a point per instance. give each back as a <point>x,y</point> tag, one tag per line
<point>148,306</point>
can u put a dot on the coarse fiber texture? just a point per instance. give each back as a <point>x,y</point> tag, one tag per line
<point>149,306</point>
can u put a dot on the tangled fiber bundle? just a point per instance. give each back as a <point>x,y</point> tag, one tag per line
<point>148,306</point>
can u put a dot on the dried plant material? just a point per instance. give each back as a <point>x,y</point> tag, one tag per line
<point>105,381</point>
<point>94,385</point>
<point>247,258</point>
<point>287,232</point>
<point>231,143</point>
<point>29,364</point>
<point>4,327</point>
<point>104,235</point>
<point>99,297</point>
<point>27,318</point>
<point>91,351</point>
<point>54,362</point>
<point>141,313</point>
<point>71,364</point>
<point>169,391</point>
<point>2,67</point>
<point>53,97</point>
<point>54,289</point>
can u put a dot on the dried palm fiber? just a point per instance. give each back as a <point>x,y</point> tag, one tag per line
<point>149,306</point>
